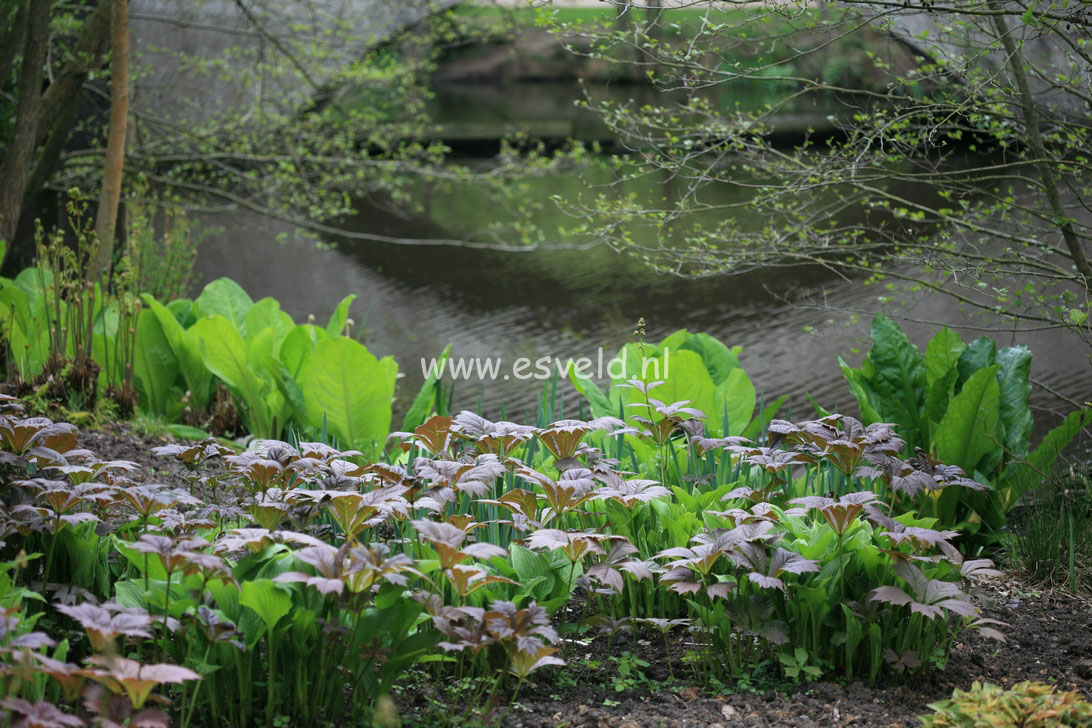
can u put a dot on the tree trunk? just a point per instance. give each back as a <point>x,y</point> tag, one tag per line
<point>49,155</point>
<point>87,56</point>
<point>1045,164</point>
<point>11,41</point>
<point>16,164</point>
<point>107,216</point>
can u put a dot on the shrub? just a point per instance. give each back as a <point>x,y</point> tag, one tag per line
<point>1024,705</point>
<point>964,404</point>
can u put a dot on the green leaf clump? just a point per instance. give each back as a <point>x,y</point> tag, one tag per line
<point>1024,705</point>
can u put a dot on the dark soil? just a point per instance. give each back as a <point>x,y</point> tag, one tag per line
<point>1049,639</point>
<point>119,442</point>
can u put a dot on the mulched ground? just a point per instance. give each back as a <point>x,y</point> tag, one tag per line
<point>116,441</point>
<point>1049,639</point>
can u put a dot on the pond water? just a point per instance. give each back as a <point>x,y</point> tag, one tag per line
<point>562,302</point>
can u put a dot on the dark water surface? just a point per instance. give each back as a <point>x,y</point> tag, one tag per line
<point>413,301</point>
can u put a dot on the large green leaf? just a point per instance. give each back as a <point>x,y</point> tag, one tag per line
<point>968,429</point>
<point>154,364</point>
<point>267,600</point>
<point>1025,473</point>
<point>29,342</point>
<point>224,297</point>
<point>187,353</point>
<point>267,314</point>
<point>260,353</point>
<point>672,341</point>
<point>735,403</point>
<point>30,282</point>
<point>531,566</point>
<point>297,346</point>
<point>225,355</point>
<point>227,595</point>
<point>1014,379</point>
<point>105,347</point>
<point>336,325</point>
<point>685,378</point>
<point>982,352</point>
<point>262,362</point>
<point>637,362</point>
<point>861,389</point>
<point>343,383</point>
<point>719,360</point>
<point>695,368</point>
<point>942,354</point>
<point>182,310</point>
<point>898,378</point>
<point>936,403</point>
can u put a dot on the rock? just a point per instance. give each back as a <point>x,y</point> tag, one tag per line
<point>729,712</point>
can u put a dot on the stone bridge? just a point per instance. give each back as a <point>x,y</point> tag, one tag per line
<point>195,60</point>
<point>198,59</point>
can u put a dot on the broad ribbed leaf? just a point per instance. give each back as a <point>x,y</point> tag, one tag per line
<point>29,343</point>
<point>969,427</point>
<point>898,378</point>
<point>344,383</point>
<point>186,352</point>
<point>940,394</point>
<point>298,345</point>
<point>225,355</point>
<point>975,568</point>
<point>766,582</point>
<point>890,595</point>
<point>601,404</point>
<point>1014,380</point>
<point>267,601</point>
<point>336,325</point>
<point>549,538</point>
<point>224,297</point>
<point>980,353</point>
<point>267,314</point>
<point>182,310</point>
<point>942,354</point>
<point>861,388</point>
<point>530,566</point>
<point>735,402</point>
<point>685,379</point>
<point>1022,475</point>
<point>154,363</point>
<point>718,359</point>
<point>44,714</point>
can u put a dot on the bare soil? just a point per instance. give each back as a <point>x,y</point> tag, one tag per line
<point>1049,639</point>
